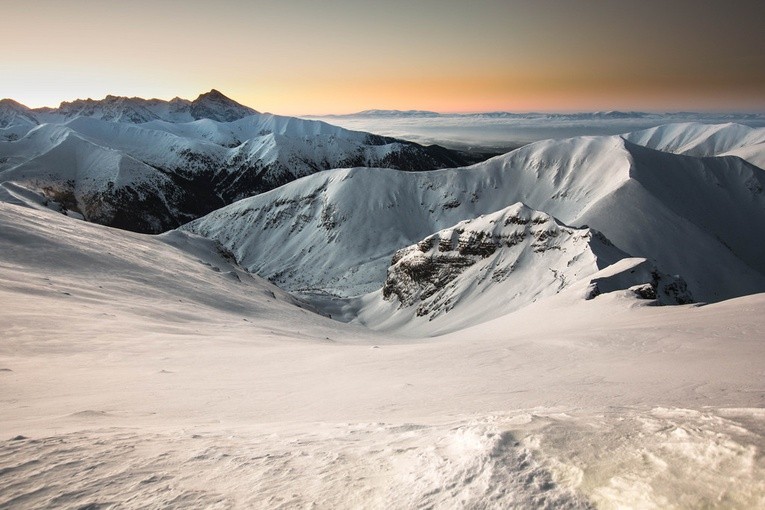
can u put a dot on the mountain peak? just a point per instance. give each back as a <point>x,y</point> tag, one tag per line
<point>11,112</point>
<point>217,106</point>
<point>10,103</point>
<point>213,94</point>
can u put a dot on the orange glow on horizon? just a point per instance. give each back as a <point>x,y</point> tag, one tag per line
<point>342,56</point>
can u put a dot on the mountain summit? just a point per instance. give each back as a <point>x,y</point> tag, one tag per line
<point>216,106</point>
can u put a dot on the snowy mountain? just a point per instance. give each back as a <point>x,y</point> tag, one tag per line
<point>12,113</point>
<point>703,140</point>
<point>490,266</point>
<point>689,216</point>
<point>15,120</point>
<point>157,371</point>
<point>149,166</point>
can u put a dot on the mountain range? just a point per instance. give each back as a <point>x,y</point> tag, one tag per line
<point>327,214</point>
<point>152,165</point>
<point>602,115</point>
<point>693,216</point>
<point>473,336</point>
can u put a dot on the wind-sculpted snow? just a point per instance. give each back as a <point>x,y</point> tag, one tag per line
<point>336,232</point>
<point>161,173</point>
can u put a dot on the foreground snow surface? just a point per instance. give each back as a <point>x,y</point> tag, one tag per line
<point>140,371</point>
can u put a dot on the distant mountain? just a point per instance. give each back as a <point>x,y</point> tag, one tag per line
<point>612,115</point>
<point>689,216</point>
<point>152,165</point>
<point>390,113</point>
<point>211,105</point>
<point>15,120</point>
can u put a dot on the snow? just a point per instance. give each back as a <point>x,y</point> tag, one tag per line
<point>169,169</point>
<point>176,384</point>
<point>156,371</point>
<point>692,216</point>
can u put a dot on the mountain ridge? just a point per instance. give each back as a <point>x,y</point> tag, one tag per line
<point>189,166</point>
<point>311,235</point>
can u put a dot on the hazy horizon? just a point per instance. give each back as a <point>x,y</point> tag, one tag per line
<point>441,112</point>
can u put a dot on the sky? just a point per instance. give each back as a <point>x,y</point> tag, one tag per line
<point>339,56</point>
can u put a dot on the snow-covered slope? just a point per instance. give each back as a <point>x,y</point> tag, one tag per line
<point>150,371</point>
<point>705,140</point>
<point>123,162</point>
<point>61,261</point>
<point>498,263</point>
<point>337,231</point>
<point>15,120</point>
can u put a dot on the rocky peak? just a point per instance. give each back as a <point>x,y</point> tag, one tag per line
<point>430,274</point>
<point>216,106</point>
<point>11,112</point>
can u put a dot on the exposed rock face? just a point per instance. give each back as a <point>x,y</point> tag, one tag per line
<point>210,105</point>
<point>215,106</point>
<point>690,216</point>
<point>645,281</point>
<point>527,251</point>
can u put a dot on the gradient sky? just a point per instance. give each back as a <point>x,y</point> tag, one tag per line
<point>316,57</point>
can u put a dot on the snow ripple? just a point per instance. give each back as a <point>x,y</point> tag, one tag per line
<point>348,466</point>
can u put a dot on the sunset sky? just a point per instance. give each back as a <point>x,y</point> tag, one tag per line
<point>318,57</point>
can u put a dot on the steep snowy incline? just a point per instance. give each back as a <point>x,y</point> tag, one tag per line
<point>102,185</point>
<point>336,232</point>
<point>179,380</point>
<point>694,216</point>
<point>15,120</point>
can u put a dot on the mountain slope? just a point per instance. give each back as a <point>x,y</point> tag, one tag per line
<point>188,168</point>
<point>175,276</point>
<point>705,140</point>
<point>495,264</point>
<point>328,233</point>
<point>159,363</point>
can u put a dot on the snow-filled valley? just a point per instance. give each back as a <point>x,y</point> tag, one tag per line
<point>574,324</point>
